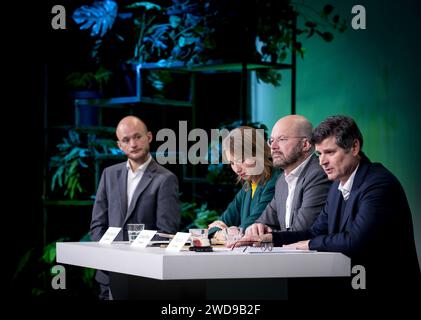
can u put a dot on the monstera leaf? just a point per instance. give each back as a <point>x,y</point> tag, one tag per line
<point>99,17</point>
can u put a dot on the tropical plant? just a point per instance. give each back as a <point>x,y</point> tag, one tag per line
<point>176,32</point>
<point>194,32</point>
<point>74,155</point>
<point>90,80</point>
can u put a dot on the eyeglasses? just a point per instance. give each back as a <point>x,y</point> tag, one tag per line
<point>282,140</point>
<point>264,245</point>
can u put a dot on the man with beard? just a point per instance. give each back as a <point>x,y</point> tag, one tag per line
<point>138,190</point>
<point>301,190</point>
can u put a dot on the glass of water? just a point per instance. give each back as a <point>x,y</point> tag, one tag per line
<point>133,230</point>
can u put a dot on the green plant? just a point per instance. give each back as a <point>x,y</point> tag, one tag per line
<point>196,217</point>
<point>33,274</point>
<point>165,33</point>
<point>74,155</point>
<point>194,32</point>
<point>91,80</point>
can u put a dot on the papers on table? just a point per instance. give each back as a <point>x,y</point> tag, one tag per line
<point>251,249</point>
<point>275,250</point>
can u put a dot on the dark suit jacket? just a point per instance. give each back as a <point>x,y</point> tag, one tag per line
<point>154,203</point>
<point>375,230</point>
<point>309,198</point>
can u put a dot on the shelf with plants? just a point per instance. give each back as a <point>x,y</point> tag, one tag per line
<point>218,66</point>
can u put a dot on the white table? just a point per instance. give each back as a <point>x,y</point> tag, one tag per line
<point>157,263</point>
<point>155,274</point>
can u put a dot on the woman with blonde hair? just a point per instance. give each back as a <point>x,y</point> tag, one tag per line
<point>248,154</point>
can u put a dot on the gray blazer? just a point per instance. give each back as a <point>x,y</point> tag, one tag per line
<point>155,201</point>
<point>309,198</point>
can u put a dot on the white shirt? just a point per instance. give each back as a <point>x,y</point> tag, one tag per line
<point>133,178</point>
<point>292,179</point>
<point>347,187</point>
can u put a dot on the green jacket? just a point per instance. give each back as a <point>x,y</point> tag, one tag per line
<point>244,210</point>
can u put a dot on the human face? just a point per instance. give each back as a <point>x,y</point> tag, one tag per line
<point>243,168</point>
<point>286,147</point>
<point>337,163</point>
<point>134,140</point>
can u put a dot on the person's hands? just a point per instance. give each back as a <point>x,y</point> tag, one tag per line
<point>219,236</point>
<point>258,229</point>
<point>300,245</point>
<point>249,240</point>
<point>219,224</point>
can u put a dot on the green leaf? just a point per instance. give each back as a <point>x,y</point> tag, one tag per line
<point>311,24</point>
<point>49,254</point>
<point>144,4</point>
<point>327,36</point>
<point>327,9</point>
<point>23,262</point>
<point>99,17</point>
<point>88,275</point>
<point>37,291</point>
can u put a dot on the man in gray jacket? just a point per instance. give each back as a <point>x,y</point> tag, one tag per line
<point>301,191</point>
<point>138,190</point>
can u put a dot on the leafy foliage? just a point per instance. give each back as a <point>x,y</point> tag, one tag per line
<point>90,80</point>
<point>73,156</point>
<point>196,217</point>
<point>32,277</point>
<point>194,32</point>
<point>99,17</point>
<point>179,34</point>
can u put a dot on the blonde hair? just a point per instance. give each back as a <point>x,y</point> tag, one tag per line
<point>248,141</point>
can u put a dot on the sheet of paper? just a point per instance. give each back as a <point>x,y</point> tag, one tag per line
<point>251,249</point>
<point>178,242</point>
<point>143,239</point>
<point>109,235</point>
<point>275,250</point>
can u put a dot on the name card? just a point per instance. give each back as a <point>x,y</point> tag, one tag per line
<point>110,235</point>
<point>178,241</point>
<point>143,238</point>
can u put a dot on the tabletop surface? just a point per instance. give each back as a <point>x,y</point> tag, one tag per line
<point>222,263</point>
